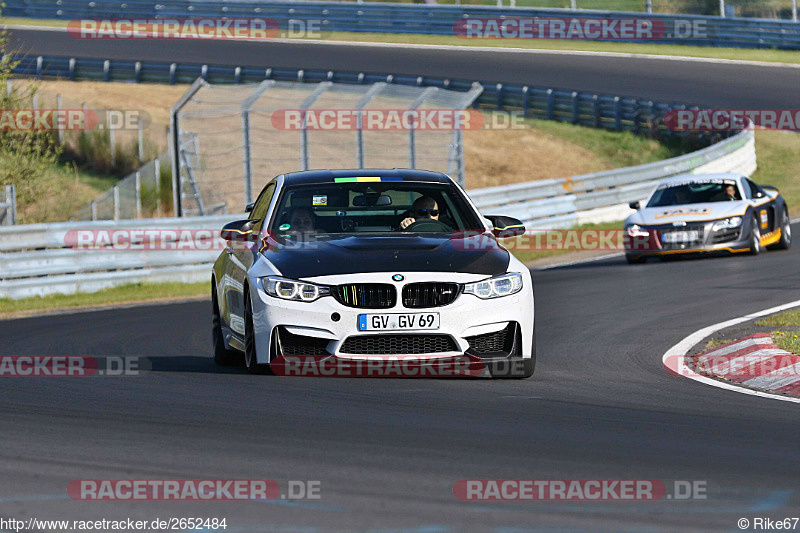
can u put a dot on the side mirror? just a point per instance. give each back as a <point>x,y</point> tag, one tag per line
<point>238,231</point>
<point>635,205</point>
<point>759,194</point>
<point>249,207</point>
<point>505,227</point>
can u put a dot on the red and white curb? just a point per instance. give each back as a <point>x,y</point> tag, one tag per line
<point>675,360</point>
<point>754,362</point>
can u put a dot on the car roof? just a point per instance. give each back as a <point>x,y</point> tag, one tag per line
<point>394,174</point>
<point>698,177</point>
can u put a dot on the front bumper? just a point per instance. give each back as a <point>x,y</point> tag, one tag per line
<point>657,243</point>
<point>490,329</point>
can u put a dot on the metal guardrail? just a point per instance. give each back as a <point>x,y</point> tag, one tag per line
<point>406,18</point>
<point>565,202</point>
<point>38,260</point>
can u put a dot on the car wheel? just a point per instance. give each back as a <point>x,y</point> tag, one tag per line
<point>786,233</point>
<point>250,359</point>
<point>222,355</point>
<point>755,238</point>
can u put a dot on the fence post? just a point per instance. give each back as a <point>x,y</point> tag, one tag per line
<point>722,8</point>
<point>551,104</point>
<point>138,184</point>
<point>94,211</point>
<point>360,140</point>
<point>110,136</point>
<point>141,139</point>
<point>157,170</point>
<point>573,4</point>
<point>794,10</point>
<point>9,89</point>
<point>60,130</point>
<point>525,101</point>
<point>649,5</point>
<point>576,110</point>
<point>617,113</point>
<point>116,203</point>
<point>11,198</point>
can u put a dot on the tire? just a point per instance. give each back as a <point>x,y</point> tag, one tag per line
<point>222,355</point>
<point>250,359</point>
<point>634,259</point>
<point>755,237</point>
<point>516,368</point>
<point>786,233</point>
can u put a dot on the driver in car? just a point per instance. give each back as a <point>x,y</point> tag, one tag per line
<point>422,208</point>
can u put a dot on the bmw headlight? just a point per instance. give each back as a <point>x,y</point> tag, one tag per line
<point>289,289</point>
<point>728,223</point>
<point>495,287</point>
<point>634,230</point>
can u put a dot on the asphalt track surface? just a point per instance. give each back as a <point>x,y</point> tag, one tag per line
<point>702,83</point>
<point>387,452</point>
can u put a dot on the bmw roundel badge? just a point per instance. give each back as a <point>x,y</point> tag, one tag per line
<point>398,277</point>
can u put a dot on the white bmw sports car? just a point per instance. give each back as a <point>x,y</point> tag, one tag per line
<point>702,213</point>
<point>369,264</point>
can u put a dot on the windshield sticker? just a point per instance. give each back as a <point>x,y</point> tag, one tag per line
<point>320,199</point>
<point>284,227</point>
<point>680,212</point>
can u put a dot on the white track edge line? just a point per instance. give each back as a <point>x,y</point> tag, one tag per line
<point>681,348</point>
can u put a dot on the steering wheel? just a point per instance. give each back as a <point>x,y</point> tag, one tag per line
<point>429,224</point>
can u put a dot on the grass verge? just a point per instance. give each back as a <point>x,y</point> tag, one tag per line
<point>124,294</point>
<point>787,318</point>
<point>787,340</point>
<point>778,155</point>
<point>741,54</point>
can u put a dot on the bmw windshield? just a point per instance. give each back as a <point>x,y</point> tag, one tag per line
<point>374,207</point>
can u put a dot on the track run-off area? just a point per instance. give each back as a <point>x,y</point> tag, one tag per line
<point>388,452</point>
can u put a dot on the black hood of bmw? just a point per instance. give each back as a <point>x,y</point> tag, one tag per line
<point>351,254</point>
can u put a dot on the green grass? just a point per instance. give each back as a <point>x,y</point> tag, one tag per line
<point>769,55</point>
<point>778,155</point>
<point>788,318</point>
<point>713,343</point>
<point>135,292</point>
<point>787,340</point>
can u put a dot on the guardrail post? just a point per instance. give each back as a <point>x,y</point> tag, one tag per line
<point>649,6</point>
<point>551,105</point>
<point>596,109</point>
<point>94,211</point>
<point>573,4</point>
<point>722,8</point>
<point>72,69</point>
<point>173,70</point>
<point>137,71</point>
<point>107,70</point>
<point>499,96</point>
<point>138,184</point>
<point>525,101</point>
<point>116,202</point>
<point>204,72</point>
<point>617,113</point>
<point>39,67</point>
<point>576,110</point>
<point>794,10</point>
<point>237,75</point>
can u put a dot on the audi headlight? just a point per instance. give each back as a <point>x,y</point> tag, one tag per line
<point>495,287</point>
<point>289,289</point>
<point>634,230</point>
<point>728,223</point>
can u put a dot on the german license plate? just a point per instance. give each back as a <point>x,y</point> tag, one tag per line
<point>681,236</point>
<point>398,322</point>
